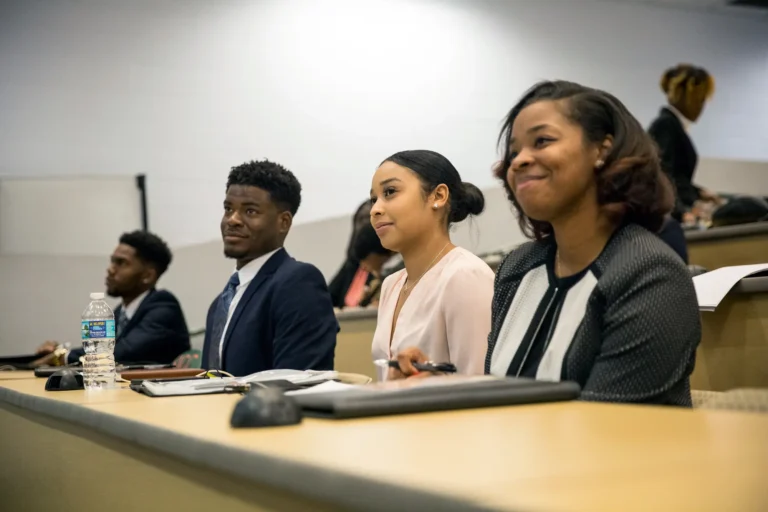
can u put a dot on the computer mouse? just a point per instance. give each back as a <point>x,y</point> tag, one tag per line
<point>64,380</point>
<point>265,407</point>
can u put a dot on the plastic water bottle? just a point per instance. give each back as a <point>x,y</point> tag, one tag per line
<point>98,334</point>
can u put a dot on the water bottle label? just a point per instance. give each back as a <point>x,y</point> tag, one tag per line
<point>97,329</point>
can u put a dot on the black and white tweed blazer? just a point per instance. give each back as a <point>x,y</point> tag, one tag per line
<point>626,332</point>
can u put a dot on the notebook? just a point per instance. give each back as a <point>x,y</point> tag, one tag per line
<point>18,362</point>
<point>712,287</point>
<point>222,385</point>
<point>431,394</point>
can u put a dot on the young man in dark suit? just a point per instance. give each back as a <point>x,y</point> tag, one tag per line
<point>275,312</point>
<point>150,326</point>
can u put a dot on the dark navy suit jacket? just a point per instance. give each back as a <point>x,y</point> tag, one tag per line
<point>678,158</point>
<point>284,320</point>
<point>156,333</point>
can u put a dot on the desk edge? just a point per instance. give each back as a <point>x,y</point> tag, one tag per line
<point>312,481</point>
<point>357,314</point>
<point>725,232</point>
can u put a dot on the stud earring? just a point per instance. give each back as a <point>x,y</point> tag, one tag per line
<point>434,206</point>
<point>599,164</point>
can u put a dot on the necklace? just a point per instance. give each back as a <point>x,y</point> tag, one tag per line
<point>408,286</point>
<point>557,263</point>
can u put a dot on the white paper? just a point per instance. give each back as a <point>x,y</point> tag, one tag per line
<point>188,387</point>
<point>294,376</point>
<point>205,386</point>
<point>712,287</point>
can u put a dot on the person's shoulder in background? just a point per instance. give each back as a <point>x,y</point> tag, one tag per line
<point>672,234</point>
<point>162,308</point>
<point>163,296</point>
<point>665,122</point>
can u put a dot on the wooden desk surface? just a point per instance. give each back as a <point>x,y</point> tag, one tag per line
<point>36,387</point>
<point>726,246</point>
<point>567,456</point>
<point>353,343</point>
<point>733,352</point>
<point>17,375</point>
<point>725,232</point>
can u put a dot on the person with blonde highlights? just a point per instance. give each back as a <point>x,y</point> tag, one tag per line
<point>687,88</point>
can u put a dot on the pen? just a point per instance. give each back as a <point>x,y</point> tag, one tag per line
<point>428,366</point>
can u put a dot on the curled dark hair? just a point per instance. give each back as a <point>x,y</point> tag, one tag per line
<point>150,249</point>
<point>433,169</point>
<point>367,242</point>
<point>283,187</point>
<point>350,246</point>
<point>631,186</point>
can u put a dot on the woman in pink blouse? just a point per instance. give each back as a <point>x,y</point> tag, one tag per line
<point>440,303</point>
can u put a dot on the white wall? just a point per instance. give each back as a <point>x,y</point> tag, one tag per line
<point>75,216</point>
<point>181,90</point>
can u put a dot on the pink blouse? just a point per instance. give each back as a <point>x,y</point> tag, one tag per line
<point>447,316</point>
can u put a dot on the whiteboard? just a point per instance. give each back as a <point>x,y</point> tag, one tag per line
<point>81,216</point>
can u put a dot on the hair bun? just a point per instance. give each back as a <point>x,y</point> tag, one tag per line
<point>682,73</point>
<point>470,201</point>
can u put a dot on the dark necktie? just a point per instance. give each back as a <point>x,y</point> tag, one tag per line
<point>122,321</point>
<point>220,321</point>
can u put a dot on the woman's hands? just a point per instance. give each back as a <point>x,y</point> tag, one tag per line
<point>405,359</point>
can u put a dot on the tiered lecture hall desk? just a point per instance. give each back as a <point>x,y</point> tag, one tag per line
<point>728,246</point>
<point>734,344</point>
<point>119,451</point>
<point>733,352</point>
<point>353,343</point>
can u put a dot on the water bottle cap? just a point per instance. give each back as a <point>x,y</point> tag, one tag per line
<point>97,296</point>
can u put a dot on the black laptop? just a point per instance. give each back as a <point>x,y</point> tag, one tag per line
<point>19,362</point>
<point>433,394</point>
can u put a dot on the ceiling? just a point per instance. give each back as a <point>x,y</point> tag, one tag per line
<point>715,6</point>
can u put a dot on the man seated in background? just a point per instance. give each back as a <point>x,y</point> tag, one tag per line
<point>275,312</point>
<point>149,323</point>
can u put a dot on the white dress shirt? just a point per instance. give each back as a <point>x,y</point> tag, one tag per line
<point>133,306</point>
<point>246,275</point>
<point>683,120</point>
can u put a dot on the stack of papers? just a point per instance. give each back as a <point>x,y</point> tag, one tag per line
<point>208,386</point>
<point>395,385</point>
<point>712,287</point>
<point>330,386</point>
